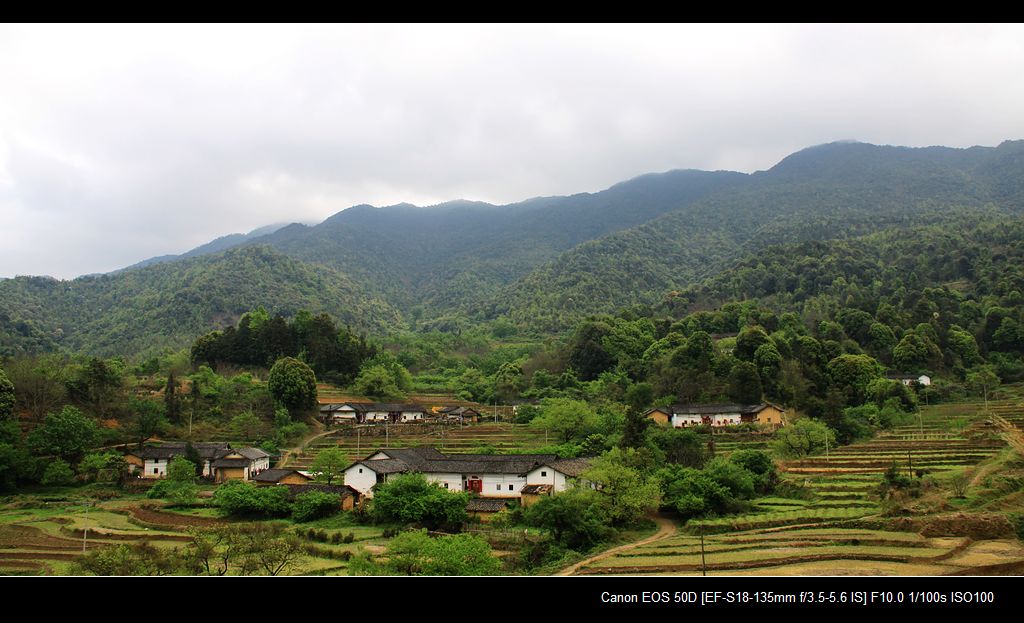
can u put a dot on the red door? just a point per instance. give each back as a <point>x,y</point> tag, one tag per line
<point>475,485</point>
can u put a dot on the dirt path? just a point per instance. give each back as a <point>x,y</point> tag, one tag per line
<point>666,528</point>
<point>287,456</point>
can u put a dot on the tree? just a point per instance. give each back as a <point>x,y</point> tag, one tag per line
<point>377,382</point>
<point>246,424</point>
<point>572,419</point>
<point>329,464</point>
<point>57,472</point>
<point>315,505</point>
<point>852,374</point>
<point>745,383</point>
<point>293,384</point>
<point>628,495</point>
<point>638,397</point>
<point>6,396</point>
<point>136,559</point>
<point>181,478</point>
<point>681,446</point>
<point>172,402</point>
<point>244,499</point>
<point>416,553</point>
<point>149,420</point>
<point>803,437</point>
<point>68,434</point>
<point>411,499</point>
<point>577,518</point>
<point>983,379</point>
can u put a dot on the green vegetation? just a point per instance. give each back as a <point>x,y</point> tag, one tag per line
<point>411,499</point>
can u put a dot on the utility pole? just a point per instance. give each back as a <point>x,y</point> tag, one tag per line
<point>85,532</point>
<point>703,562</point>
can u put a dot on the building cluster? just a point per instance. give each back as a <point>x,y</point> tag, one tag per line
<point>391,412</point>
<point>717,415</point>
<point>219,461</point>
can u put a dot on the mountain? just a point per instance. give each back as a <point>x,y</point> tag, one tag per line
<point>838,190</point>
<point>214,246</point>
<point>542,264</point>
<point>169,304</point>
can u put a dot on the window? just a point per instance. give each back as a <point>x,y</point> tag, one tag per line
<point>510,487</point>
<point>543,474</point>
<point>499,487</point>
<point>156,471</point>
<point>446,485</point>
<point>360,470</point>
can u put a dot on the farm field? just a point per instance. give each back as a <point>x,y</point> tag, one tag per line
<point>845,528</point>
<point>39,537</point>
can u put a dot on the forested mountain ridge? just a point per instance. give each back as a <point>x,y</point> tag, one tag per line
<point>540,265</point>
<point>168,304</point>
<point>839,190</point>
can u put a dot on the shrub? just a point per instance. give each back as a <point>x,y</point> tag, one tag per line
<point>315,505</point>
<point>58,472</point>
<point>244,499</point>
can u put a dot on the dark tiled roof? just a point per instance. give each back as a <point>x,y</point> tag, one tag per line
<point>219,463</point>
<point>275,475</point>
<point>342,490</point>
<point>387,466</point>
<point>537,489</point>
<point>570,467</point>
<point>485,505</point>
<point>714,409</point>
<point>205,450</point>
<point>463,411</point>
<point>372,406</point>
<point>253,453</point>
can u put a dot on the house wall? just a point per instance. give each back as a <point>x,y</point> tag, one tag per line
<point>155,468</point>
<point>379,455</point>
<point>225,474</point>
<point>497,485</point>
<point>293,479</point>
<point>362,481</point>
<point>769,415</point>
<point>261,464</point>
<point>553,477</point>
<point>412,416</point>
<point>454,481</point>
<point>725,419</point>
<point>682,421</point>
<point>660,417</point>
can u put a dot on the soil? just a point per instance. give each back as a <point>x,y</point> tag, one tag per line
<point>153,516</point>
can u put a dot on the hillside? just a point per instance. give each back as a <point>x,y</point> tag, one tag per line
<point>168,304</point>
<point>542,264</point>
<point>839,190</point>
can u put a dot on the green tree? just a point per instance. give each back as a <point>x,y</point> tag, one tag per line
<point>577,518</point>
<point>241,498</point>
<point>745,383</point>
<point>983,380</point>
<point>172,401</point>
<point>149,420</point>
<point>6,396</point>
<point>416,553</point>
<point>68,434</point>
<point>181,477</point>
<point>634,433</point>
<point>852,374</point>
<point>377,382</point>
<point>411,499</point>
<point>58,472</point>
<point>571,419</point>
<point>803,437</point>
<point>312,505</point>
<point>293,384</point>
<point>246,425</point>
<point>628,494</point>
<point>329,465</point>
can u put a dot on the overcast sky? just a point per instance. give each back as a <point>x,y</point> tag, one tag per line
<point>118,143</point>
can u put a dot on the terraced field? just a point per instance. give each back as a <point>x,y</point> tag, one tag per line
<point>834,532</point>
<point>47,540</point>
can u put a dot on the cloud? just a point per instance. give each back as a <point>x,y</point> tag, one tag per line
<point>122,142</point>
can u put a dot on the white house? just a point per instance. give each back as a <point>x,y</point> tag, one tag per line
<point>367,412</point>
<point>487,475</point>
<point>152,461</point>
<point>717,415</point>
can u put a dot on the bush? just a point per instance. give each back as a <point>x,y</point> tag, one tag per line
<point>58,472</point>
<point>412,499</point>
<point>243,499</point>
<point>315,505</point>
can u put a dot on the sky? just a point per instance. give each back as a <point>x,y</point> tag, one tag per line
<point>123,142</point>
